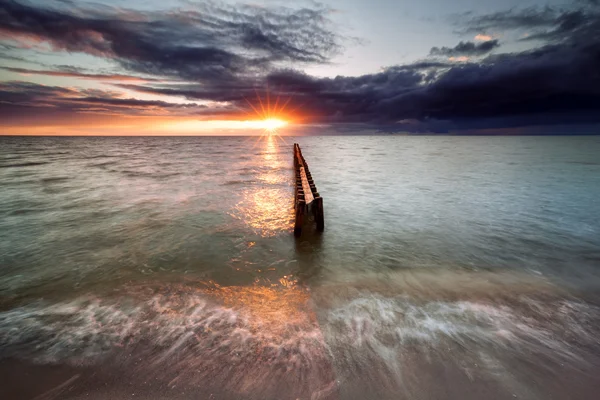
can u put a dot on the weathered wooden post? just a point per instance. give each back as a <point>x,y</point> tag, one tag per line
<point>306,197</point>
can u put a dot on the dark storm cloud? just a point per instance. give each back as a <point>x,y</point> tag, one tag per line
<point>552,80</point>
<point>293,83</point>
<point>213,41</point>
<point>466,49</point>
<point>555,84</point>
<point>340,99</point>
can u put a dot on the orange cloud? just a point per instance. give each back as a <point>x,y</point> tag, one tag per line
<point>483,38</point>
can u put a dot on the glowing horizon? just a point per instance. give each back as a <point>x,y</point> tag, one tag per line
<point>259,119</point>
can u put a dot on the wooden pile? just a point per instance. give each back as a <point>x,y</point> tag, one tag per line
<point>307,199</point>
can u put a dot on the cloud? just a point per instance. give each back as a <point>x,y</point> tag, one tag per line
<point>223,55</point>
<point>528,18</point>
<point>81,75</point>
<point>542,23</point>
<point>212,41</point>
<point>340,99</point>
<point>466,49</point>
<point>553,84</point>
<point>24,100</point>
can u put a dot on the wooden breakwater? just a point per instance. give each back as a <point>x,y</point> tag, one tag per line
<point>307,200</point>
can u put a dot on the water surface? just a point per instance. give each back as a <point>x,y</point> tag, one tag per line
<point>450,268</point>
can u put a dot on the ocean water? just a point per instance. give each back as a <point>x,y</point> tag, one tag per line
<point>166,267</point>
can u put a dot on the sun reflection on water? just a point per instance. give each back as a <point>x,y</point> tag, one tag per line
<point>272,308</point>
<point>267,207</point>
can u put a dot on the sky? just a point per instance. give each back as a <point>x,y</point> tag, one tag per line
<point>188,67</point>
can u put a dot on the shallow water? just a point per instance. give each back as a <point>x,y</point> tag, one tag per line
<point>451,267</point>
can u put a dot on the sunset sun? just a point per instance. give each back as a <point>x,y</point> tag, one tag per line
<point>268,114</point>
<point>272,124</point>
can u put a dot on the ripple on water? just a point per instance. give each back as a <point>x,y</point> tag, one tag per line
<point>267,210</point>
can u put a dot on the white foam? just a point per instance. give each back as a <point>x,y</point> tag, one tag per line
<point>255,334</point>
<point>475,333</point>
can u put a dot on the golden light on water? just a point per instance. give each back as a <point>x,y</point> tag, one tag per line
<point>272,309</point>
<point>267,211</point>
<point>266,207</point>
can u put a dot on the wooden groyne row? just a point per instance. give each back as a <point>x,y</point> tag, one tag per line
<point>307,199</point>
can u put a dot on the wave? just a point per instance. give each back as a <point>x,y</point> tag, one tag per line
<point>103,164</point>
<point>239,182</point>
<point>242,338</point>
<point>25,211</point>
<point>143,174</point>
<point>55,179</point>
<point>103,156</point>
<point>25,164</point>
<point>250,339</point>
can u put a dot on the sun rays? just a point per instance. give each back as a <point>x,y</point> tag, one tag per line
<point>269,116</point>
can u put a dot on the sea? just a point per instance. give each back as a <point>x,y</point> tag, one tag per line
<point>450,267</point>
